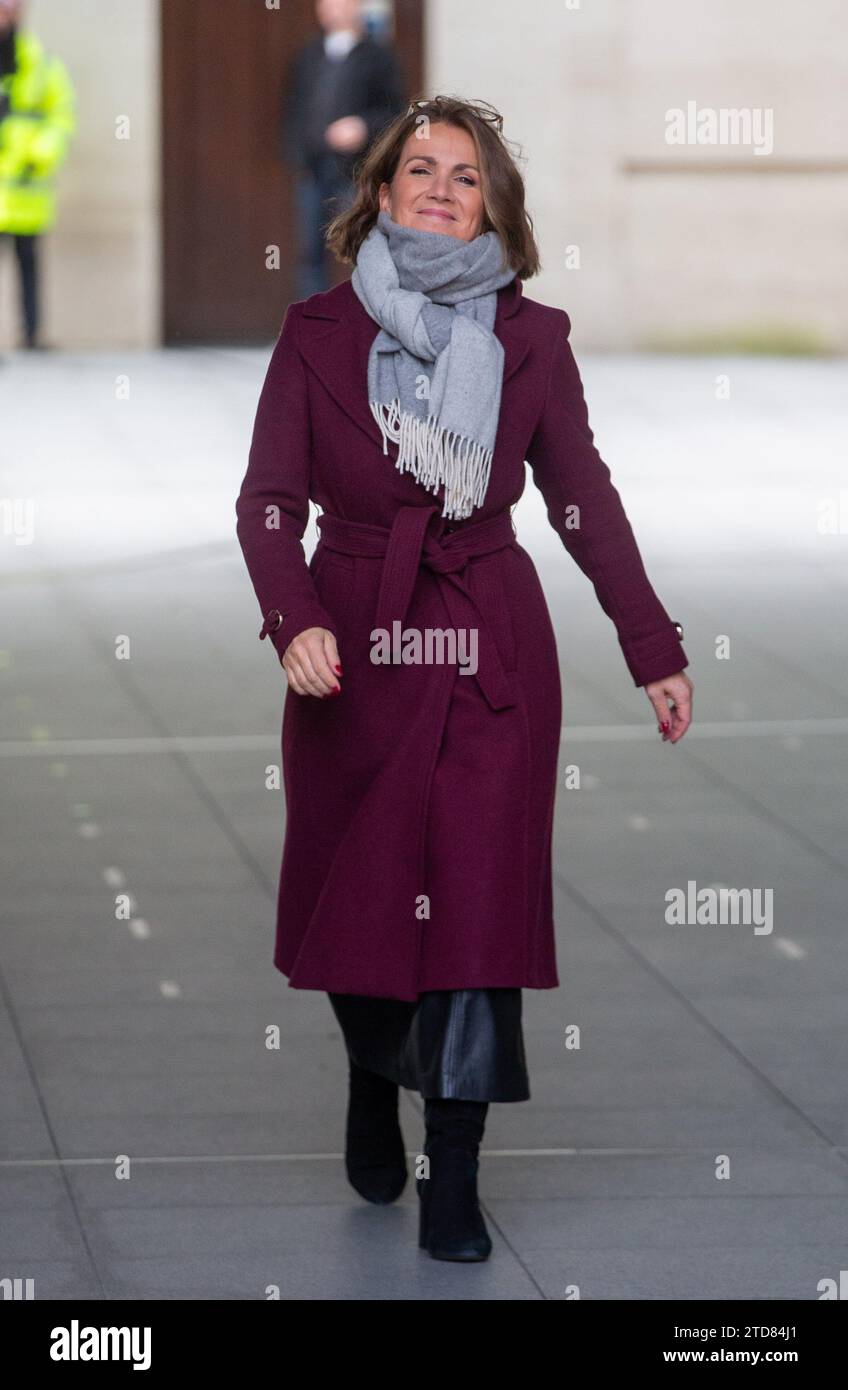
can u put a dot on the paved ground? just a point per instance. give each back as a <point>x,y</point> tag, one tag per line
<point>146,1037</point>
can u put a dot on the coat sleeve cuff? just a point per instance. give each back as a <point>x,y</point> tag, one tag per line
<point>282,624</point>
<point>655,657</point>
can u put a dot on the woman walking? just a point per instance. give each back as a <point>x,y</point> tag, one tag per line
<point>422,721</point>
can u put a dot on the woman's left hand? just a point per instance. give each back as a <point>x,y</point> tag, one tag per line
<point>672,720</point>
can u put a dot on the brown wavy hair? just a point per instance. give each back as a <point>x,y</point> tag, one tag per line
<point>501,184</point>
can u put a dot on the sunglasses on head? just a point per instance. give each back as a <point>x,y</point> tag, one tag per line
<point>483,112</point>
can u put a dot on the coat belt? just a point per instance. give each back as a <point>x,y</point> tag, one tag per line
<point>410,545</point>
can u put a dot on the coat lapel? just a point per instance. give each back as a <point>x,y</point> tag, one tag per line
<point>336,330</point>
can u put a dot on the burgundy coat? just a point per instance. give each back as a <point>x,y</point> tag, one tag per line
<point>420,801</point>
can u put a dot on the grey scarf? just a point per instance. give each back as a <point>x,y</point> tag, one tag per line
<point>435,370</point>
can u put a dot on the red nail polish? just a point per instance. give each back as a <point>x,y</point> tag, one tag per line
<point>338,668</point>
<point>665,726</point>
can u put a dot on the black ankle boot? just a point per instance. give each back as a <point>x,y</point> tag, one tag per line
<point>375,1158</point>
<point>451,1222</point>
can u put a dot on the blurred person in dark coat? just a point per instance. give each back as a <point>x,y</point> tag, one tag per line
<point>342,89</point>
<point>36,122</point>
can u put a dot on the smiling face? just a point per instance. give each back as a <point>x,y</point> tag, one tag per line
<point>436,186</point>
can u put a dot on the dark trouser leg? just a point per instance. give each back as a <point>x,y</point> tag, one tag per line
<point>337,195</point>
<point>26,250</point>
<point>337,189</point>
<point>320,193</point>
<point>311,277</point>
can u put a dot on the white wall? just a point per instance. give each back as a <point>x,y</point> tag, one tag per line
<point>668,257</point>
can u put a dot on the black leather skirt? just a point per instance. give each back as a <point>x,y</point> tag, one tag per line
<point>462,1044</point>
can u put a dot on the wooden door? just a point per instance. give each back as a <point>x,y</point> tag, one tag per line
<point>226,193</point>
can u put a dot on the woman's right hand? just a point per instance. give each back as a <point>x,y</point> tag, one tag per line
<point>311,662</point>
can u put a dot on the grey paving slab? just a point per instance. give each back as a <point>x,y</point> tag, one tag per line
<point>755,1171</point>
<point>39,1234</point>
<point>731,1274</point>
<point>70,1280</point>
<point>805,787</point>
<point>361,1269</point>
<point>671,1223</point>
<point>722,1248</point>
<point>32,1186</point>
<point>270,1178</point>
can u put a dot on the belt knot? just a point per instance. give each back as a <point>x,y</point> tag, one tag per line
<point>408,546</point>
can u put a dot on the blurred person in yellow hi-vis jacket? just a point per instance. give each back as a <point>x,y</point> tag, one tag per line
<point>36,121</point>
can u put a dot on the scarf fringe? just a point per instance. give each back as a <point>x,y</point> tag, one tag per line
<point>436,456</point>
